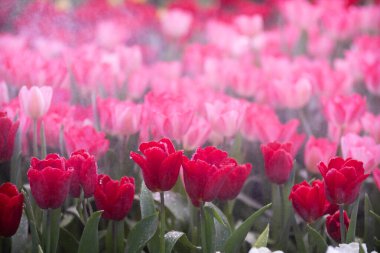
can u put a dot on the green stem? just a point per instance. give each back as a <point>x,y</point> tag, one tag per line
<point>282,202</point>
<point>47,230</point>
<point>162,223</point>
<point>35,136</point>
<point>5,244</point>
<point>342,225</point>
<point>203,229</point>
<point>114,237</point>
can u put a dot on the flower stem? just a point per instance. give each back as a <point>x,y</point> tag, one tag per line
<point>162,223</point>
<point>35,136</point>
<point>203,230</point>
<point>342,225</point>
<point>47,230</point>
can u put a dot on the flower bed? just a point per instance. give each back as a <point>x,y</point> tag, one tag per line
<point>230,126</point>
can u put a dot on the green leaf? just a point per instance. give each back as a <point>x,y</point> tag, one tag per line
<point>301,248</point>
<point>208,230</point>
<point>223,229</point>
<point>146,202</point>
<point>180,241</point>
<point>55,219</point>
<point>171,239</point>
<point>262,240</point>
<point>141,233</point>
<point>218,215</point>
<point>89,241</point>
<point>377,217</point>
<point>369,223</point>
<point>237,237</point>
<point>361,249</point>
<point>316,239</point>
<point>352,228</point>
<point>32,222</point>
<point>68,242</point>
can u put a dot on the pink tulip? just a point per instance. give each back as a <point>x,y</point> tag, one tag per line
<point>176,23</point>
<point>361,148</point>
<point>36,101</point>
<point>4,96</point>
<point>197,134</point>
<point>318,150</point>
<point>345,110</point>
<point>371,125</point>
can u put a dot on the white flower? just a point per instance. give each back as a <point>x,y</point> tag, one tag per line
<point>347,248</point>
<point>263,250</point>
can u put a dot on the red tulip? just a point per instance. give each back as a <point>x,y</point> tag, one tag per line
<point>309,201</point>
<point>278,161</point>
<point>49,181</point>
<point>234,181</point>
<point>343,179</point>
<point>160,164</point>
<point>8,131</point>
<point>333,225</point>
<point>11,202</point>
<point>114,197</point>
<point>84,173</point>
<point>205,174</point>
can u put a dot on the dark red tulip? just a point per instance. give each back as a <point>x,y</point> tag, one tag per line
<point>11,202</point>
<point>160,164</point>
<point>84,173</point>
<point>309,201</point>
<point>49,181</point>
<point>114,197</point>
<point>343,179</point>
<point>333,225</point>
<point>205,174</point>
<point>278,161</point>
<point>8,131</point>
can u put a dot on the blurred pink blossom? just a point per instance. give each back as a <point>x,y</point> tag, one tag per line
<point>362,148</point>
<point>318,150</point>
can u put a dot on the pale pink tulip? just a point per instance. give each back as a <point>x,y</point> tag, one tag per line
<point>371,125</point>
<point>318,150</point>
<point>176,23</point>
<point>36,101</point>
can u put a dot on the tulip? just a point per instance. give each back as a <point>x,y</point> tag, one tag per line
<point>8,131</point>
<point>114,197</point>
<point>205,174</point>
<point>235,180</point>
<point>36,101</point>
<point>84,173</point>
<point>317,150</point>
<point>49,181</point>
<point>333,225</point>
<point>309,201</point>
<point>87,138</point>
<point>278,161</point>
<point>343,179</point>
<point>176,23</point>
<point>11,203</point>
<point>160,164</point>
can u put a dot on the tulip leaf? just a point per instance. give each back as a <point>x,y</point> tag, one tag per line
<point>377,217</point>
<point>32,222</point>
<point>55,219</point>
<point>262,240</point>
<point>369,226</point>
<point>222,227</point>
<point>146,202</point>
<point>352,227</point>
<point>172,237</point>
<point>316,239</point>
<point>298,234</point>
<point>208,230</point>
<point>237,237</point>
<point>68,242</point>
<point>361,249</point>
<point>141,233</point>
<point>89,242</point>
